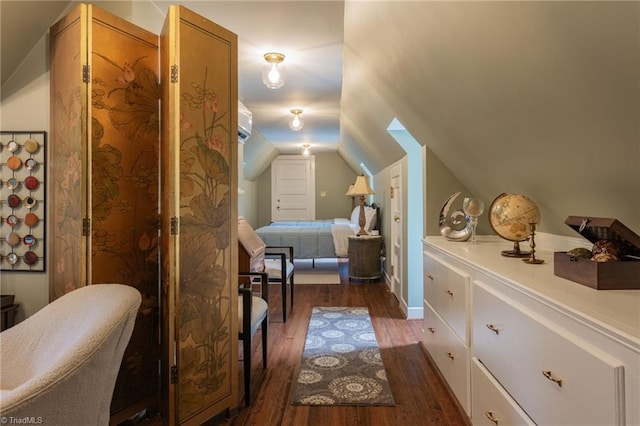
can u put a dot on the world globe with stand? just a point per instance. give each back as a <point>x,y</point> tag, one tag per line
<point>511,217</point>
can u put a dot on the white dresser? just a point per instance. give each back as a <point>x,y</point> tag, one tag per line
<point>518,345</point>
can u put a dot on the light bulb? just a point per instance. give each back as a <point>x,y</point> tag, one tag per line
<point>273,73</point>
<point>305,151</point>
<point>295,122</point>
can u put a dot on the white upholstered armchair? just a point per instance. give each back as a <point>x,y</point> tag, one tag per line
<point>60,365</point>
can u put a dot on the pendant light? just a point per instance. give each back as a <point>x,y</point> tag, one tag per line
<point>273,73</point>
<point>295,122</point>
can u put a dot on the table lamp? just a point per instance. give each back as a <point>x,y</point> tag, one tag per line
<point>353,197</point>
<point>361,187</point>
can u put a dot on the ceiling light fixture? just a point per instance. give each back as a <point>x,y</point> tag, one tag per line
<point>295,122</point>
<point>273,72</point>
<point>305,151</point>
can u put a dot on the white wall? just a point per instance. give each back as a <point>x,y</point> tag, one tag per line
<point>27,108</point>
<point>247,192</point>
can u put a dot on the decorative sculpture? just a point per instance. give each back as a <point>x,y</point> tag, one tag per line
<point>454,227</point>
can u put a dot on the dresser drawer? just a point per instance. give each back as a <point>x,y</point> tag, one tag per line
<point>556,377</point>
<point>450,355</point>
<point>491,404</point>
<point>446,288</point>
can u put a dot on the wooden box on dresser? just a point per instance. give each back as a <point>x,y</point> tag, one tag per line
<point>519,345</point>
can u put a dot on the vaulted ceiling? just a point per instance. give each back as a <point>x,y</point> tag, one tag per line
<point>540,98</point>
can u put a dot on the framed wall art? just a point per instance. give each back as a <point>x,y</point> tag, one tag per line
<point>23,200</point>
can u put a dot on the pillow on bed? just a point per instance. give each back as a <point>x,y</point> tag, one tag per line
<point>370,218</point>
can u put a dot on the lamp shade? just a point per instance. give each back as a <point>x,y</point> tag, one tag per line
<point>361,186</point>
<point>349,191</point>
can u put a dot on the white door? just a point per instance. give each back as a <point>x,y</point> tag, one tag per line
<point>293,188</point>
<point>396,231</point>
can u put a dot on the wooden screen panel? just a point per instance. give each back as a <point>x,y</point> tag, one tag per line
<point>124,148</point>
<point>104,175</point>
<point>67,153</point>
<point>203,160</point>
<point>169,254</point>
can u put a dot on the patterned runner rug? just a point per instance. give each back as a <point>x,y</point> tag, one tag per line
<point>341,362</point>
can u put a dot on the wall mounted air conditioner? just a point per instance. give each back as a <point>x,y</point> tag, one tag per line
<point>244,123</point>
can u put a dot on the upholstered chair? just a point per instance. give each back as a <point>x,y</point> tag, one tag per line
<point>248,324</point>
<point>59,366</point>
<point>255,256</point>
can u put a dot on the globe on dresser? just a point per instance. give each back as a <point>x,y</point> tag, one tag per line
<point>511,216</point>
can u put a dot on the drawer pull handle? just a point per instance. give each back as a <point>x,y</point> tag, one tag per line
<point>450,355</point>
<point>432,330</point>
<point>493,328</point>
<point>549,375</point>
<point>430,277</point>
<point>491,417</point>
<point>449,292</point>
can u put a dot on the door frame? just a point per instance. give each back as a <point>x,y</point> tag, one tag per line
<point>396,232</point>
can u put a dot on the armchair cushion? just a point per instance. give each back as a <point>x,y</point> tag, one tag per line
<point>259,310</point>
<point>273,267</point>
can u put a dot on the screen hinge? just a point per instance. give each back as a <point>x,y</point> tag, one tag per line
<point>174,73</point>
<point>85,73</point>
<point>174,226</point>
<point>174,374</point>
<point>86,226</point>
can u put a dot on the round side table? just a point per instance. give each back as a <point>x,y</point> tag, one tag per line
<point>364,257</point>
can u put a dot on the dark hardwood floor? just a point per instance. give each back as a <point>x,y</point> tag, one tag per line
<point>420,394</point>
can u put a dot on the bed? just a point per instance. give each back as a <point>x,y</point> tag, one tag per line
<point>319,238</point>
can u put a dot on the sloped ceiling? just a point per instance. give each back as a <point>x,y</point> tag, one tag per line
<point>22,24</point>
<point>539,98</point>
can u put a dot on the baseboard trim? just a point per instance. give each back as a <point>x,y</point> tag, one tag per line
<point>415,313</point>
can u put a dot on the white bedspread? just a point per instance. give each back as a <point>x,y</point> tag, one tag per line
<point>340,232</point>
